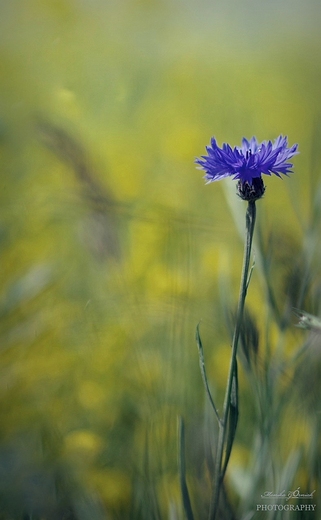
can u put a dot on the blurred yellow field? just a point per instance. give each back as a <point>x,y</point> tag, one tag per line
<point>113,249</point>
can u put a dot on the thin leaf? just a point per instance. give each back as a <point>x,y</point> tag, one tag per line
<point>182,470</point>
<point>203,372</point>
<point>250,274</point>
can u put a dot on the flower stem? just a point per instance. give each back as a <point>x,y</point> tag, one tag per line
<point>224,444</point>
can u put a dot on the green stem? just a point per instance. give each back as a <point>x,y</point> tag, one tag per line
<point>221,443</point>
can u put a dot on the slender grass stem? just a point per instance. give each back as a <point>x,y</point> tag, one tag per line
<point>230,403</point>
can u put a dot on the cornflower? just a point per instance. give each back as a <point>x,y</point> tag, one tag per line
<point>247,163</point>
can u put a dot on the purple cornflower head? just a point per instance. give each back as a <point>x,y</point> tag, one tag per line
<point>247,163</point>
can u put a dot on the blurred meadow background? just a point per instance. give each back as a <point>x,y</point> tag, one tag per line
<point>113,250</point>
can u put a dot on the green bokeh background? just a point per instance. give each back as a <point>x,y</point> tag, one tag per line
<point>112,249</point>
